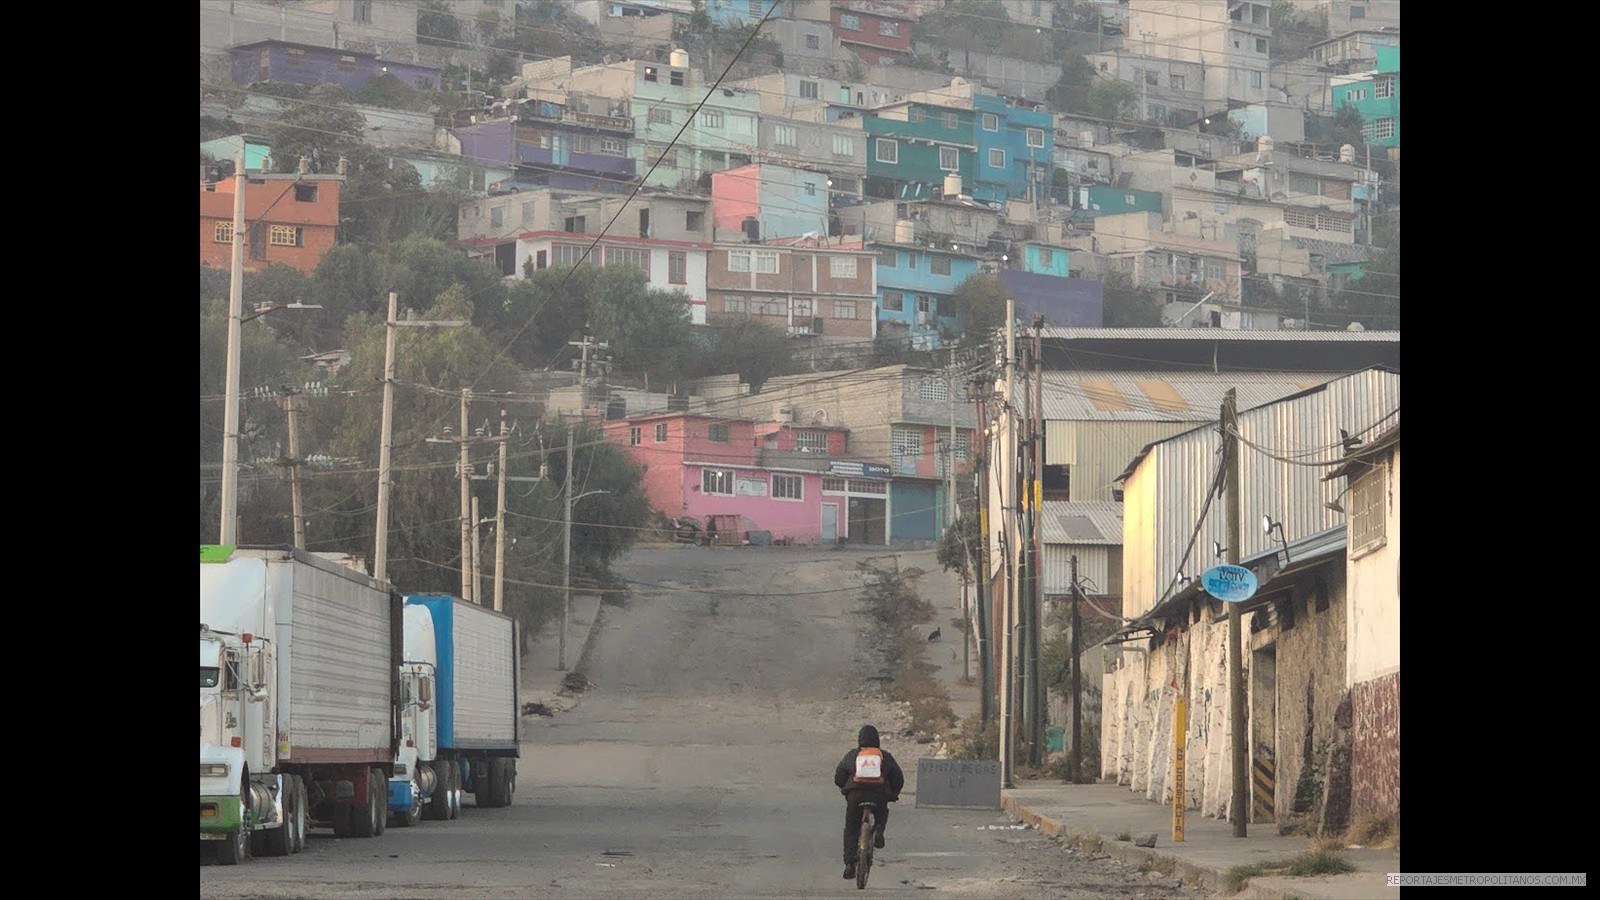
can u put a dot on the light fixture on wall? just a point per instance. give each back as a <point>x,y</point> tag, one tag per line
<point>1269,526</point>
<point>1218,549</point>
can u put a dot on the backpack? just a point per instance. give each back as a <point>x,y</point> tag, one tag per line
<point>869,767</point>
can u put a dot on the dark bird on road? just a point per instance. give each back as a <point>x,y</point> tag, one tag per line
<point>933,635</point>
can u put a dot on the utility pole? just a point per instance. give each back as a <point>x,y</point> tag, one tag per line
<point>465,469</point>
<point>1074,759</point>
<point>230,401</point>
<point>984,597</point>
<point>500,520</point>
<point>1239,747</point>
<point>566,568</point>
<point>1036,598</point>
<point>293,462</point>
<point>1008,546</point>
<point>477,554</point>
<point>380,553</point>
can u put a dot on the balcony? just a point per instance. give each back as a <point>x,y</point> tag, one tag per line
<point>550,112</point>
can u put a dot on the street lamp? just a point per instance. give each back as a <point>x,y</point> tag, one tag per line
<point>566,570</point>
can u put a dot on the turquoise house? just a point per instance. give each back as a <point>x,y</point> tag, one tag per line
<point>914,288</point>
<point>1106,200</point>
<point>1376,96</point>
<point>1016,149</point>
<point>912,147</point>
<point>1041,259</point>
<point>254,147</point>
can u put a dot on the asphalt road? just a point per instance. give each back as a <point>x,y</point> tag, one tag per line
<point>700,765</point>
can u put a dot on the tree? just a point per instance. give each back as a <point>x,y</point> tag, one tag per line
<point>1374,298</point>
<point>981,302</point>
<point>322,130</point>
<point>1129,306</point>
<point>351,280</point>
<point>1293,32</point>
<point>960,545</point>
<point>1070,94</point>
<point>755,350</point>
<point>1343,127</point>
<point>437,25</point>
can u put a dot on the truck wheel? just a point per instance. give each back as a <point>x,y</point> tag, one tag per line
<point>487,783</point>
<point>234,850</point>
<point>438,808</point>
<point>299,821</point>
<point>412,816</point>
<point>455,789</point>
<point>278,841</point>
<point>378,791</point>
<point>511,779</point>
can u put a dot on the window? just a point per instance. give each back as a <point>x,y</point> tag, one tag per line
<point>948,120</point>
<point>939,265</point>
<point>1035,137</point>
<point>1261,45</point>
<point>844,145</point>
<point>934,390</point>
<point>802,307</point>
<point>669,157</point>
<point>949,159</point>
<point>576,224</point>
<point>812,440</point>
<point>787,487</point>
<point>914,114</point>
<point>1255,79</point>
<point>997,159</point>
<point>842,267</point>
<point>813,42</point>
<point>612,147</point>
<point>888,259</point>
<point>766,262</point>
<point>527,212</point>
<point>635,436</point>
<point>1383,129</point>
<point>347,63</point>
<point>991,122</point>
<point>1367,505</point>
<point>711,118</point>
<point>1383,89</point>
<point>888,29</point>
<point>650,73</point>
<point>661,432</point>
<point>905,444</point>
<point>888,151</point>
<point>755,8</point>
<point>894,301</point>
<point>627,256</point>
<point>911,259</point>
<point>1177,82</point>
<point>296,55</point>
<point>716,481</point>
<point>738,260</point>
<point>363,12</point>
<point>844,309</point>
<point>1356,94</point>
<point>809,90</point>
<point>924,303</point>
<point>223,233</point>
<point>1046,257</point>
<point>785,136</point>
<point>1358,12</point>
<point>733,303</point>
<point>1152,78</point>
<point>569,254</point>
<point>660,117</point>
<point>769,308</point>
<point>694,221</point>
<point>849,22</point>
<point>1213,269</point>
<point>286,236</point>
<point>721,432</point>
<point>677,267</point>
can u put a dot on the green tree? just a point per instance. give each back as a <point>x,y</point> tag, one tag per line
<point>437,24</point>
<point>1129,306</point>
<point>1070,94</point>
<point>1293,32</point>
<point>1343,127</point>
<point>980,300</point>
<point>960,545</point>
<point>1374,298</point>
<point>322,130</point>
<point>755,350</point>
<point>351,280</point>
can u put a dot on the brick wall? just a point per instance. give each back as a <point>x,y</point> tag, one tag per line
<point>1375,751</point>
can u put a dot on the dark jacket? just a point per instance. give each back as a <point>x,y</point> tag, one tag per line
<point>894,779</point>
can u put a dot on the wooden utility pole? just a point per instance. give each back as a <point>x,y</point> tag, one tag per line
<point>1240,740</point>
<point>1074,759</point>
<point>566,568</point>
<point>293,462</point>
<point>465,468</point>
<point>500,520</point>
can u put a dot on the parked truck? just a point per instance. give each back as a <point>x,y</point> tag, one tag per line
<point>299,679</point>
<point>460,722</point>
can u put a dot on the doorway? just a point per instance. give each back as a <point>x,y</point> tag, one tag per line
<point>1263,735</point>
<point>830,523</point>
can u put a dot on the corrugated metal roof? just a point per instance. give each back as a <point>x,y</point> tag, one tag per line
<point>1081,522</point>
<point>1166,396</point>
<point>1223,335</point>
<point>1333,251</point>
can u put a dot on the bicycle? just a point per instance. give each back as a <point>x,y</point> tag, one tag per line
<point>864,844</point>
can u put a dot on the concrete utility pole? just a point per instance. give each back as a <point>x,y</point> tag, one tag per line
<point>1009,546</point>
<point>380,553</point>
<point>465,469</point>
<point>984,597</point>
<point>1036,598</point>
<point>566,567</point>
<point>230,400</point>
<point>293,462</point>
<point>1239,740</point>
<point>500,519</point>
<point>1074,760</point>
<point>477,554</point>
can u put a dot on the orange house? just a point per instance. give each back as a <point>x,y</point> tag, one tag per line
<point>288,219</point>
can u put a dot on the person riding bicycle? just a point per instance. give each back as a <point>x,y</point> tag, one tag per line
<point>866,774</point>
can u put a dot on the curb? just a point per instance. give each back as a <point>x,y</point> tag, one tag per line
<point>1208,878</point>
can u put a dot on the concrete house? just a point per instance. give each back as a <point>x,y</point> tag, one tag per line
<point>556,142</point>
<point>291,219</point>
<point>1230,41</point>
<point>1297,652</point>
<point>289,63</point>
<point>813,291</point>
<point>1376,96</point>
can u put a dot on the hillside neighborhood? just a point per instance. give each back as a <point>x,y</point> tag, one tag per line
<point>1096,295</point>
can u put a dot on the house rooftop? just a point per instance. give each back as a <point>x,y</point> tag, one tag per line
<point>1155,396</point>
<point>1081,522</point>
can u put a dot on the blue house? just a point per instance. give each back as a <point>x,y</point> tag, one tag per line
<point>554,145</point>
<point>732,13</point>
<point>1016,150</point>
<point>914,288</point>
<point>290,63</point>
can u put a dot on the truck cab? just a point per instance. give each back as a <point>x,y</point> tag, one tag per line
<point>416,786</point>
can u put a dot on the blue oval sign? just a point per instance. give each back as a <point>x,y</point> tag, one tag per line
<point>1234,584</point>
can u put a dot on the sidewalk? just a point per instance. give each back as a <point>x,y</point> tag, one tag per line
<point>1086,811</point>
<point>542,676</point>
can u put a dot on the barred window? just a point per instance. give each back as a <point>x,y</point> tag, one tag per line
<point>721,432</point>
<point>627,256</point>
<point>812,440</point>
<point>716,481</point>
<point>286,236</point>
<point>224,233</point>
<point>842,267</point>
<point>568,254</point>
<point>661,432</point>
<point>1368,519</point>
<point>635,436</point>
<point>788,487</point>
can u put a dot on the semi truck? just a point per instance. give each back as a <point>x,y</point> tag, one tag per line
<point>299,679</point>
<point>460,723</point>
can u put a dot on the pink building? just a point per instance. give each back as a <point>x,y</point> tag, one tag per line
<point>773,473</point>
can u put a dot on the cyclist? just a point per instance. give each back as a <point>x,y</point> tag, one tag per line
<point>867,773</point>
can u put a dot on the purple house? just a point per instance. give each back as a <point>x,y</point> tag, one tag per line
<point>554,143</point>
<point>1066,302</point>
<point>291,63</point>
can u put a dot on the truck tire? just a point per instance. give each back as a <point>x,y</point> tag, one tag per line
<point>439,804</point>
<point>364,815</point>
<point>455,789</point>
<point>487,784</point>
<point>511,779</point>
<point>413,815</point>
<point>234,850</point>
<point>378,792</point>
<point>300,821</point>
<point>277,841</point>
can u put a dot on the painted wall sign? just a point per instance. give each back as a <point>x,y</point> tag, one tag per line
<point>1234,584</point>
<point>858,470</point>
